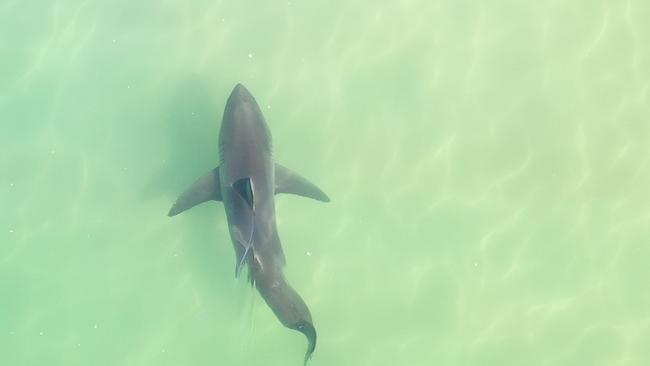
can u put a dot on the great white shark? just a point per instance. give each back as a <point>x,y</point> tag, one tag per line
<point>246,181</point>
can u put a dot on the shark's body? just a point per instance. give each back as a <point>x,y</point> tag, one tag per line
<point>246,181</point>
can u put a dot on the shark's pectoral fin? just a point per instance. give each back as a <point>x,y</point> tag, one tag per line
<point>207,188</point>
<point>288,181</point>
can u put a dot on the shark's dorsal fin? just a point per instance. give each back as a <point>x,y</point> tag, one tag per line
<point>244,188</point>
<point>288,181</point>
<point>207,188</point>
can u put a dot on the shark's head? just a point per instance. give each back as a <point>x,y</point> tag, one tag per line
<point>243,124</point>
<point>241,94</point>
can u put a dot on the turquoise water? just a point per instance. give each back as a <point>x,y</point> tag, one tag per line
<point>488,164</point>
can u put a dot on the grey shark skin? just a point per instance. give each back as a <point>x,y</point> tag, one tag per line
<point>246,181</point>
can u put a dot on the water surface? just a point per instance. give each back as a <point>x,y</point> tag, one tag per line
<point>488,164</point>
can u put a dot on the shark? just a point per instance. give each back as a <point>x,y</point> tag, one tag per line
<point>246,181</point>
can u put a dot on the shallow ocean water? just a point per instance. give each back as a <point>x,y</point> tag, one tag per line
<point>488,165</point>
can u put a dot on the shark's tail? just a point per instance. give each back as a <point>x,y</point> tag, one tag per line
<point>310,332</point>
<point>286,304</point>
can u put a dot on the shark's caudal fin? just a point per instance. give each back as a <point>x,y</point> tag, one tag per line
<point>287,305</point>
<point>207,188</point>
<point>288,181</point>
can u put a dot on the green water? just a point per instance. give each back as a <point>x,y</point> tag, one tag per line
<point>488,164</point>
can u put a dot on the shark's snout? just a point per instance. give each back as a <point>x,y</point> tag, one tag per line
<point>241,94</point>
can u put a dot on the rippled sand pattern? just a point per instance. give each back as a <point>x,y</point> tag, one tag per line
<point>488,163</point>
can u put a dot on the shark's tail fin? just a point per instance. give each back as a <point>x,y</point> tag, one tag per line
<point>310,332</point>
<point>286,304</point>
